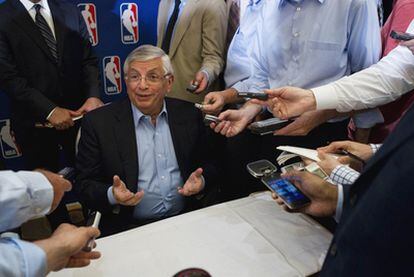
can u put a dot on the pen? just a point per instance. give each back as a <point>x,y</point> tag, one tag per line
<point>353,156</point>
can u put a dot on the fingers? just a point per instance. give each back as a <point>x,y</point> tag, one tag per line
<point>135,199</point>
<point>335,146</point>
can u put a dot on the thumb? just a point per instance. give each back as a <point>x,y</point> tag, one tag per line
<point>198,172</point>
<point>76,113</point>
<point>274,92</point>
<point>117,182</point>
<point>322,155</point>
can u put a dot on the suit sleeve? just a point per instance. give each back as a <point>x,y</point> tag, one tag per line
<point>89,183</point>
<point>214,35</point>
<point>16,86</point>
<point>90,71</point>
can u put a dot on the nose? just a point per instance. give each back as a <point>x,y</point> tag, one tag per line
<point>143,84</point>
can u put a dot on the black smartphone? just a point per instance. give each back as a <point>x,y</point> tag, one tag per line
<point>253,95</point>
<point>401,36</point>
<point>291,195</point>
<point>268,126</point>
<point>208,119</point>
<point>69,173</point>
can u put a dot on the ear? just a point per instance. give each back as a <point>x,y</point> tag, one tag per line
<point>170,82</point>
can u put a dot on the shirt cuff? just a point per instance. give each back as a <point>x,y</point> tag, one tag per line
<point>50,114</point>
<point>344,175</point>
<point>240,87</point>
<point>375,147</point>
<point>326,97</point>
<point>111,197</point>
<point>34,257</point>
<point>39,190</point>
<point>339,204</point>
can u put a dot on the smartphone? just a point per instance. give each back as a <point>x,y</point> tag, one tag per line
<point>69,173</point>
<point>401,36</point>
<point>208,119</point>
<point>193,87</point>
<point>253,95</point>
<point>93,221</point>
<point>291,195</point>
<point>268,126</point>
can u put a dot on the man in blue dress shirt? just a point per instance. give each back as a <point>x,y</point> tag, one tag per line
<point>142,158</point>
<point>309,42</point>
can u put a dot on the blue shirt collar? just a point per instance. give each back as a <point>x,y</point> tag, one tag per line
<point>283,2</point>
<point>138,115</point>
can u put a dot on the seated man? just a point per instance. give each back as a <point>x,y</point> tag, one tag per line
<point>155,145</point>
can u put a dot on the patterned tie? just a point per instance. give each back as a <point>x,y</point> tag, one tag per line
<point>46,32</point>
<point>170,28</point>
<point>234,20</point>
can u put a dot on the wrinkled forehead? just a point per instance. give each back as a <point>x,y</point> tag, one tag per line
<point>153,65</point>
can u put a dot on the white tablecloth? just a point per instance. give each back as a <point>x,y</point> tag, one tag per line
<point>251,236</point>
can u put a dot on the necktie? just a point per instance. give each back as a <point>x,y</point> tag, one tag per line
<point>170,28</point>
<point>46,32</point>
<point>234,20</point>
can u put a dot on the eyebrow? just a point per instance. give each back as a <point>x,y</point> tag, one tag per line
<point>154,70</point>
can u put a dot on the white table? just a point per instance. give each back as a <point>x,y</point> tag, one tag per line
<point>251,236</point>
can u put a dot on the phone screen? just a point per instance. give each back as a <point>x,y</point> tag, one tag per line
<point>292,196</point>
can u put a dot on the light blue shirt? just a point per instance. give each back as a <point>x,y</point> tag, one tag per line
<point>23,196</point>
<point>20,258</point>
<point>313,43</point>
<point>159,174</point>
<point>238,65</point>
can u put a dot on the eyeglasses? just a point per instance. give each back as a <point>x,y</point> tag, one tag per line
<point>151,79</point>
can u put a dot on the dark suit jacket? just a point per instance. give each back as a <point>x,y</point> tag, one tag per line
<point>108,147</point>
<point>29,75</point>
<point>375,234</point>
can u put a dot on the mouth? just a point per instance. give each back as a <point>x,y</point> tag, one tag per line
<point>143,96</point>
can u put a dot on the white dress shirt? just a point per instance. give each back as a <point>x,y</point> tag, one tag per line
<point>377,85</point>
<point>44,11</point>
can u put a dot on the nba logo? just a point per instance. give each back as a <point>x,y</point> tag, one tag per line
<point>112,75</point>
<point>9,148</point>
<point>129,23</point>
<point>88,12</point>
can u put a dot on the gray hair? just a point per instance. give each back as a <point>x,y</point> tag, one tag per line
<point>148,52</point>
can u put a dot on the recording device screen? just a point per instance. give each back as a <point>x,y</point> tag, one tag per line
<point>293,197</point>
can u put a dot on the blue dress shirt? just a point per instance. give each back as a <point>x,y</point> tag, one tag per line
<point>238,65</point>
<point>159,174</point>
<point>312,43</point>
<point>23,196</point>
<point>20,258</point>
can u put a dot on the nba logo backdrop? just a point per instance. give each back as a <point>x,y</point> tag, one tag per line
<point>129,23</point>
<point>88,11</point>
<point>112,75</point>
<point>9,148</point>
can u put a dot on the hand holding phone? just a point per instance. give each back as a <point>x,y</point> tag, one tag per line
<point>93,221</point>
